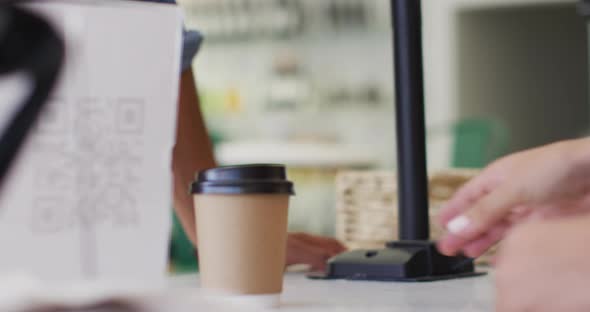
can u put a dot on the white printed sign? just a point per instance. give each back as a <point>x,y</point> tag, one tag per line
<point>90,195</point>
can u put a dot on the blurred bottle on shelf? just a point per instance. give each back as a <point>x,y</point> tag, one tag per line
<point>289,89</point>
<point>356,96</point>
<point>347,14</point>
<point>233,101</point>
<point>288,95</point>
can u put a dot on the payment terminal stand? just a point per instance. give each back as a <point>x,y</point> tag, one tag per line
<point>414,257</point>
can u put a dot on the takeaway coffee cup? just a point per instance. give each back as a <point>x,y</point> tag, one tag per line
<point>241,214</point>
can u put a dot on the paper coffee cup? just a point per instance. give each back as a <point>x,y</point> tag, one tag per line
<point>241,214</point>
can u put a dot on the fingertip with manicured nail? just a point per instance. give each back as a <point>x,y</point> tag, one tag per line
<point>458,224</point>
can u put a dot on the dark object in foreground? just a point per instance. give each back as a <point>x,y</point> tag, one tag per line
<point>28,44</point>
<point>405,261</point>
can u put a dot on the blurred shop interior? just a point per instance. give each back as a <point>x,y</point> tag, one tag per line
<point>310,83</point>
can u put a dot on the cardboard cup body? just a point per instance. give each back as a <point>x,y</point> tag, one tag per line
<point>242,242</point>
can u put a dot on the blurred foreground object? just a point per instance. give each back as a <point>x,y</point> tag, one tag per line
<point>31,52</point>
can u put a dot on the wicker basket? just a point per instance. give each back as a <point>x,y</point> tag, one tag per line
<point>366,205</point>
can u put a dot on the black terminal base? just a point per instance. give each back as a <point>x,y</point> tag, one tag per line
<point>404,261</point>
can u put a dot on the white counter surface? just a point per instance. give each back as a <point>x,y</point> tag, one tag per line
<point>301,294</point>
<point>183,294</point>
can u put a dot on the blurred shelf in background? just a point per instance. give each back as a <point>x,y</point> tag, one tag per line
<point>240,20</point>
<point>296,155</point>
<point>317,77</point>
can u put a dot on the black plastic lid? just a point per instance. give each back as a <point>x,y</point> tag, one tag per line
<point>244,179</point>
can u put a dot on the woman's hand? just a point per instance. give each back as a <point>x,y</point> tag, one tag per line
<point>544,266</point>
<point>539,183</point>
<point>313,250</point>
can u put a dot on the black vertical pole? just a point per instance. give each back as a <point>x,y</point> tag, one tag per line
<point>411,145</point>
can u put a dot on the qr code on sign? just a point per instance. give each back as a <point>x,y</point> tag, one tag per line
<point>89,175</point>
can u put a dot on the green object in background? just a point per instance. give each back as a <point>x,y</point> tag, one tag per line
<point>215,137</point>
<point>478,142</point>
<point>182,253</point>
